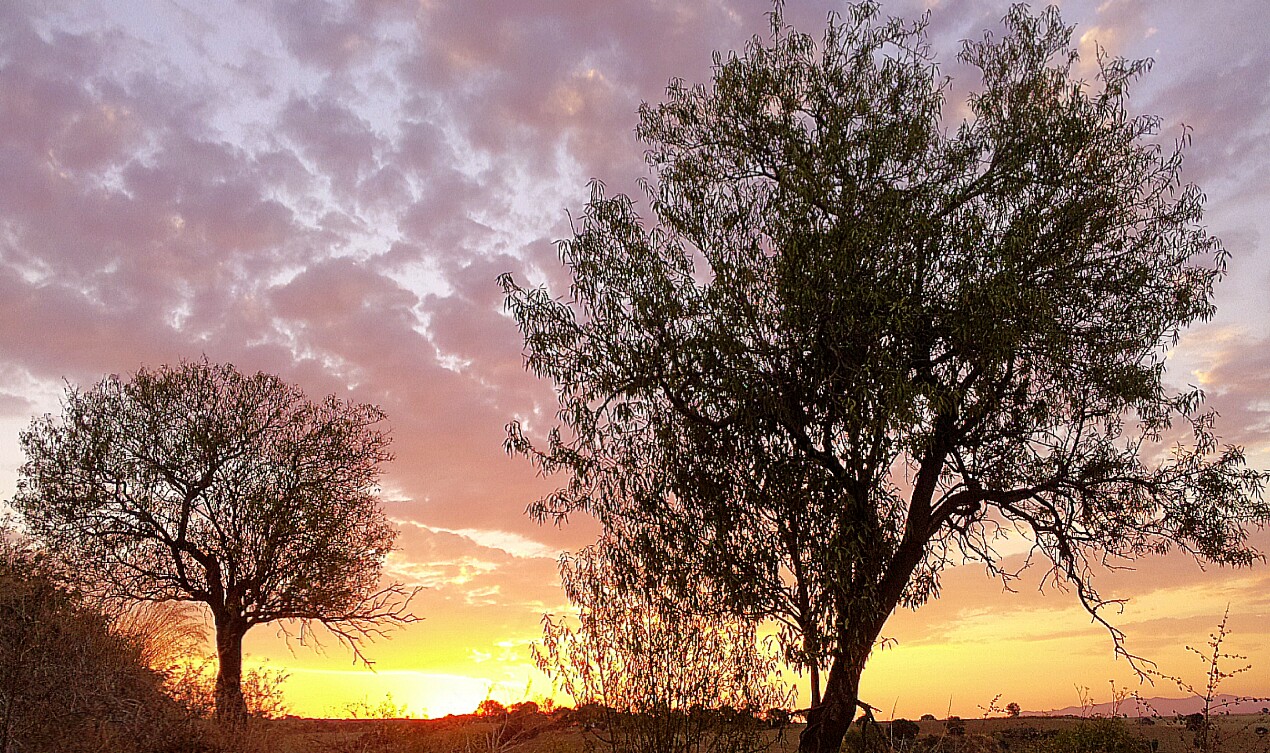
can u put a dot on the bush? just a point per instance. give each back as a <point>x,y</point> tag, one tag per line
<point>192,683</point>
<point>864,740</point>
<point>903,733</point>
<point>67,682</point>
<point>1098,736</point>
<point>648,678</point>
<point>955,726</point>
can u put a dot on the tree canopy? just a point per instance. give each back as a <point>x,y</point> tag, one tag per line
<point>201,483</point>
<point>851,341</point>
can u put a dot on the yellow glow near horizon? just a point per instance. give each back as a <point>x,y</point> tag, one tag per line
<point>339,693</point>
<point>953,655</point>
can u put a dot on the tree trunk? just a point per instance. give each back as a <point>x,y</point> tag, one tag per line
<point>231,709</point>
<point>6,721</point>
<point>828,722</point>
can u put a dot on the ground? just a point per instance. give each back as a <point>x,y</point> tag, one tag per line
<point>541,734</point>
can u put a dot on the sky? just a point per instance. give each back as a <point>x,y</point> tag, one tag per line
<point>327,190</point>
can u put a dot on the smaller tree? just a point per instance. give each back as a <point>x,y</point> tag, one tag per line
<point>1013,710</point>
<point>662,681</point>
<point>200,483</point>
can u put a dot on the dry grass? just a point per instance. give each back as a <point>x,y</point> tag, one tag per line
<point>471,734</point>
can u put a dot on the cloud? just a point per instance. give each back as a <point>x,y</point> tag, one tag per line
<point>1232,366</point>
<point>340,144</point>
<point>333,36</point>
<point>328,191</point>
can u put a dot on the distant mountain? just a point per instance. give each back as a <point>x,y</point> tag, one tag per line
<point>1222,704</point>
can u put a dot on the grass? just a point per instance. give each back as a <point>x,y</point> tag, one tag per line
<point>471,734</point>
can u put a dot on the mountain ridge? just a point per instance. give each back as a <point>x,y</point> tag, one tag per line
<point>1223,703</point>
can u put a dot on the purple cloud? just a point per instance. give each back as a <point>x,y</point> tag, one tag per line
<point>328,190</point>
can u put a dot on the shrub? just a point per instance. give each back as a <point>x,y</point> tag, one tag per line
<point>649,678</point>
<point>903,733</point>
<point>67,682</point>
<point>1098,735</point>
<point>192,683</point>
<point>955,726</point>
<point>864,740</point>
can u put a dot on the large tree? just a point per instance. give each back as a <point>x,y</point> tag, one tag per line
<point>854,339</point>
<point>200,483</point>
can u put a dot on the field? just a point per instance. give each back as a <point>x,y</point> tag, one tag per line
<point>471,734</point>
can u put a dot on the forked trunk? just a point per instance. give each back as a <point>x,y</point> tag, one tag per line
<point>828,722</point>
<point>231,709</point>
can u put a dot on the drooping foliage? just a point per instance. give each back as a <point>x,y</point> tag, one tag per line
<point>849,342</point>
<point>648,677</point>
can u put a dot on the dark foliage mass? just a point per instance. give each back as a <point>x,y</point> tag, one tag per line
<point>200,483</point>
<point>67,682</point>
<point>848,344</point>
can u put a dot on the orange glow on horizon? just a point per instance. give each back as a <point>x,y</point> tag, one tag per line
<point>953,655</point>
<point>339,693</point>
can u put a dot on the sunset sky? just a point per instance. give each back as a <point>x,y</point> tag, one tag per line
<point>327,190</point>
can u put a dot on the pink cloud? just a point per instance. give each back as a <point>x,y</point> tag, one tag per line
<point>341,145</point>
<point>339,215</point>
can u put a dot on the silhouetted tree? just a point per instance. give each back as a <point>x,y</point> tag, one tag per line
<point>200,483</point>
<point>851,343</point>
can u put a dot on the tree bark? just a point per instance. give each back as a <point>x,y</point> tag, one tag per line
<point>828,722</point>
<point>231,708</point>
